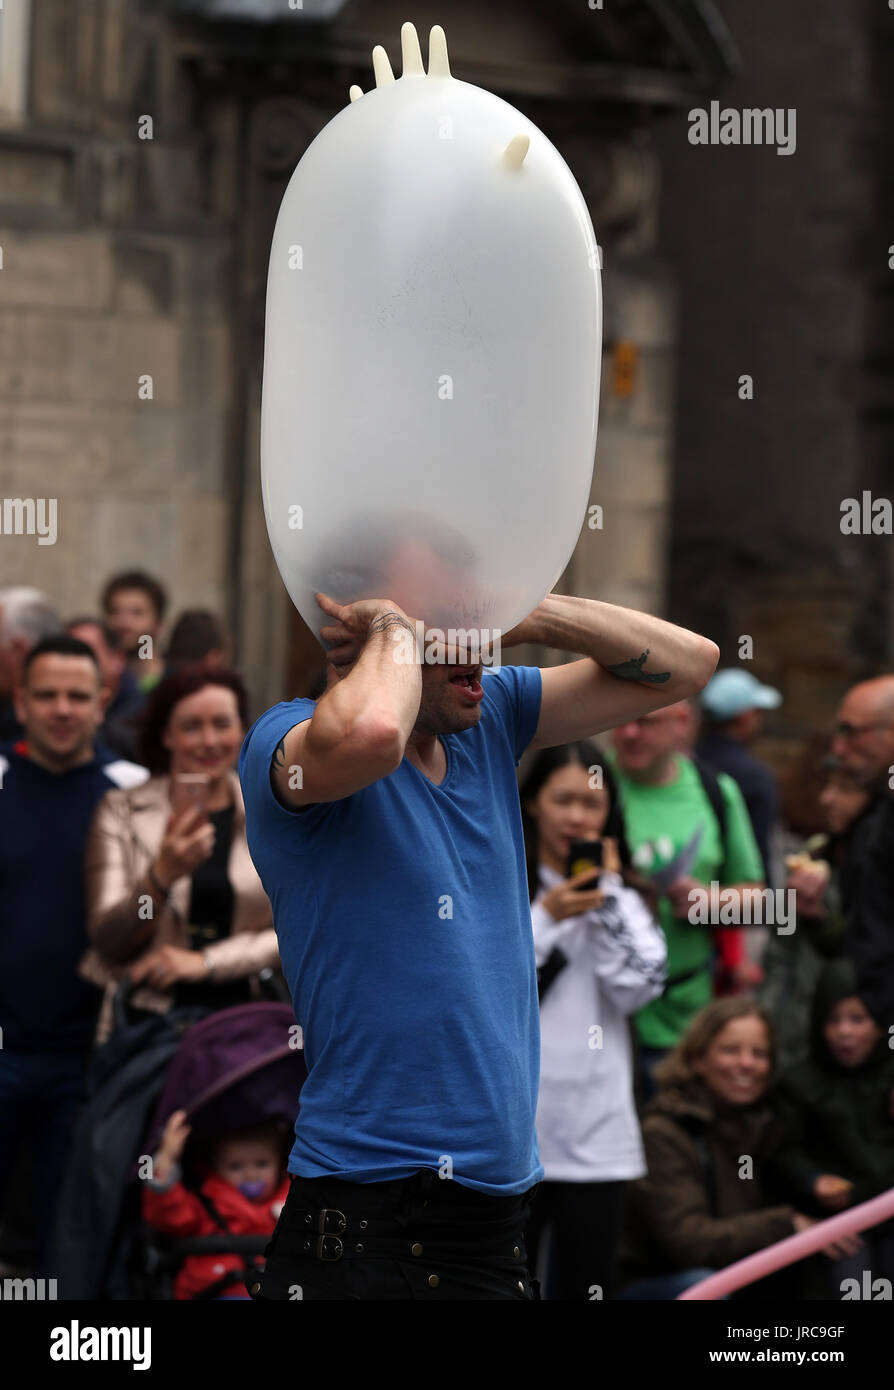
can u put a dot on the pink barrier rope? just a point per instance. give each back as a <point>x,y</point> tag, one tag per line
<point>797,1247</point>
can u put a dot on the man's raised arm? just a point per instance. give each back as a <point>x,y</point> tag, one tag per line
<point>359,729</point>
<point>633,664</point>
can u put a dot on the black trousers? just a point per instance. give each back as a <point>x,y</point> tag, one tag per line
<point>421,1237</point>
<point>586,1223</point>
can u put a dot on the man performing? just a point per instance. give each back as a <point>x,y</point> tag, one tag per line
<point>384,822</point>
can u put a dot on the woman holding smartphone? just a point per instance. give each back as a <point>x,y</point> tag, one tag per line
<point>173,899</point>
<point>600,955</point>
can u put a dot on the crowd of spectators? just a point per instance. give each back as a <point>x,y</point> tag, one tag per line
<point>751,1092</point>
<point>707,1087</point>
<point>123,855</point>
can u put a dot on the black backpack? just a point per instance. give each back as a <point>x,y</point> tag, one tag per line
<point>714,793</point>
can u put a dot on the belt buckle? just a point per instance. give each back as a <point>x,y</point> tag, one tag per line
<point>322,1250</point>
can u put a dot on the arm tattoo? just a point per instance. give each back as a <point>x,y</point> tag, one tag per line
<point>279,760</point>
<point>632,670</point>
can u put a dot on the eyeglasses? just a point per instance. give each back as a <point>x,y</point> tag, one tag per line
<point>845,730</point>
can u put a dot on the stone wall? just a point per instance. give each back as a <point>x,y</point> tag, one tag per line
<point>117,253</point>
<point>779,260</point>
<point>125,257</point>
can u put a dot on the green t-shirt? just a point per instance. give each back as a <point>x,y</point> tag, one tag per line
<point>660,822</point>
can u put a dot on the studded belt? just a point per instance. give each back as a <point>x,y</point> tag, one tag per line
<point>331,1235</point>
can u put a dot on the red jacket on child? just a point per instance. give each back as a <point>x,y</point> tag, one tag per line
<point>179,1212</point>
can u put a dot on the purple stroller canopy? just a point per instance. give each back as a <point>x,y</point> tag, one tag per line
<point>237,1067</point>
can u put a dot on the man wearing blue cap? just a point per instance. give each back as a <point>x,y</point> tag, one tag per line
<point>733,703</point>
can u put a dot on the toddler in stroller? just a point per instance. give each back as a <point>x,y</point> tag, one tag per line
<point>242,1195</point>
<point>215,1185</point>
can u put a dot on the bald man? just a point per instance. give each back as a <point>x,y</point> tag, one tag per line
<point>864,742</point>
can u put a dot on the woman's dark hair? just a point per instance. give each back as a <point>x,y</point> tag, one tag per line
<point>583,754</point>
<point>168,693</point>
<point>196,633</point>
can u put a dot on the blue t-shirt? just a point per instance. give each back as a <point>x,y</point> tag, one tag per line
<point>405,936</point>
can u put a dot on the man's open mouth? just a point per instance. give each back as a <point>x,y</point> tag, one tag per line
<point>466,678</point>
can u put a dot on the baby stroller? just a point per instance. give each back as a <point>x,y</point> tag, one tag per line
<point>229,1068</point>
<point>236,1068</point>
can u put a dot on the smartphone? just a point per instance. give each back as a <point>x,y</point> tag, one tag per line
<point>189,789</point>
<point>584,854</point>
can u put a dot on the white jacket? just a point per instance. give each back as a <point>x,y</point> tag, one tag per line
<point>587,1128</point>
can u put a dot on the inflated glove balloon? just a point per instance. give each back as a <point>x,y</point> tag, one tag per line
<point>432,355</point>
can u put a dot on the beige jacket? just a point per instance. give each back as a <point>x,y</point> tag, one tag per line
<point>125,836</point>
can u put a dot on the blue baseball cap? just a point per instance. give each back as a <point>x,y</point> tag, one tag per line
<point>733,691</point>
